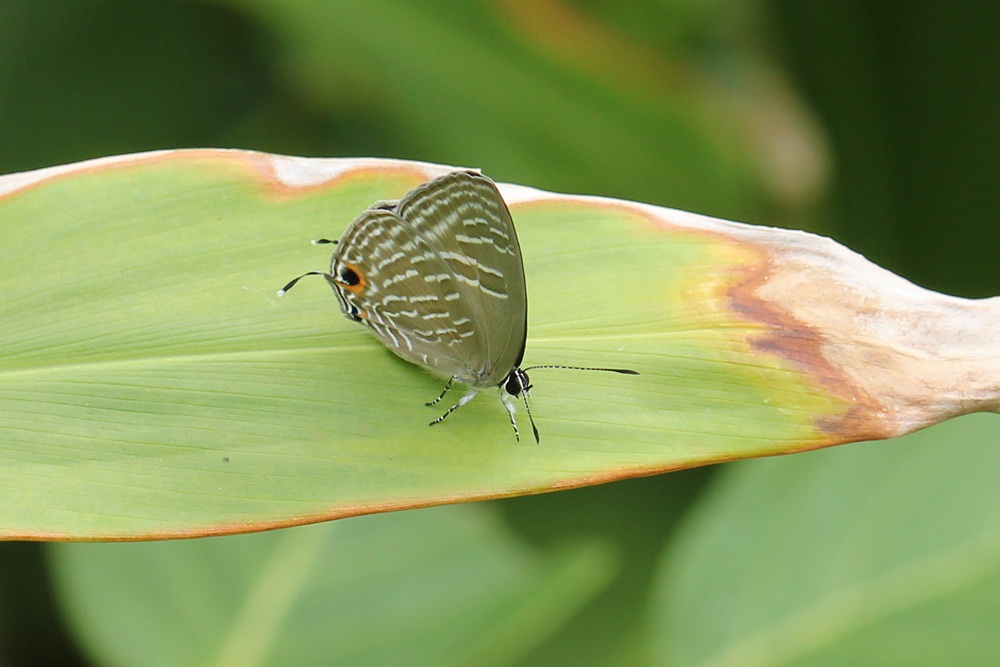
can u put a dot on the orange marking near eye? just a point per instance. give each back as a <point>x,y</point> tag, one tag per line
<point>355,287</point>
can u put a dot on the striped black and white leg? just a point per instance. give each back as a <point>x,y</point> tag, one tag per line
<point>465,399</point>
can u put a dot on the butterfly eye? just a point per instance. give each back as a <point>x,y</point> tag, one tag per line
<point>517,382</point>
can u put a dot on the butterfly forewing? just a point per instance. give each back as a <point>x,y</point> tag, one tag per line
<point>465,224</point>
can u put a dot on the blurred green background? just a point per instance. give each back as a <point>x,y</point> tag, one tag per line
<point>873,122</point>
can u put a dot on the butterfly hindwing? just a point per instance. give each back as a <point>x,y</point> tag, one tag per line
<point>388,278</point>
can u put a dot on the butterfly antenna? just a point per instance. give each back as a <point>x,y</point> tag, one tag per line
<point>623,371</point>
<point>323,241</point>
<point>531,420</point>
<point>292,282</point>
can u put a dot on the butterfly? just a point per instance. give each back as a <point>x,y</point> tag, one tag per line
<point>438,278</point>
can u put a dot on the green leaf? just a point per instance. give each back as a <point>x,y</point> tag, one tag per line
<point>447,586</point>
<point>153,385</point>
<point>886,555</point>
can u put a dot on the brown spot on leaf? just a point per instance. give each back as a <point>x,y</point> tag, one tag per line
<point>804,347</point>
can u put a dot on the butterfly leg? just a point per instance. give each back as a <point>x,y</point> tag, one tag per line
<point>444,391</point>
<point>465,399</point>
<point>507,403</point>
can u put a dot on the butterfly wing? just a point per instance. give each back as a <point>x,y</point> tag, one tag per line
<point>465,221</point>
<point>439,279</point>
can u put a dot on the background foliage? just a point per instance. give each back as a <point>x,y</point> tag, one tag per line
<point>873,122</point>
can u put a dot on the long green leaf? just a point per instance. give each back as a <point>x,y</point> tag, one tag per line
<point>153,385</point>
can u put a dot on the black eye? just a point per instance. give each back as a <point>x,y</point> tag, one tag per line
<point>516,382</point>
<point>349,276</point>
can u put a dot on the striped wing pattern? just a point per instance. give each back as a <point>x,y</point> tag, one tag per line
<point>439,279</point>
